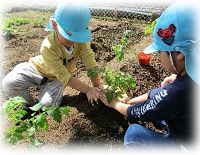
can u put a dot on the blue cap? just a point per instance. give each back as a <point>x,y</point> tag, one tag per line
<point>176,30</point>
<point>72,18</point>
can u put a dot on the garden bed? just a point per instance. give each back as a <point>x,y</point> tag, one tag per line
<point>88,127</point>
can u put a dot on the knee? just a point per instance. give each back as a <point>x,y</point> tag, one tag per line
<point>8,84</point>
<point>134,133</point>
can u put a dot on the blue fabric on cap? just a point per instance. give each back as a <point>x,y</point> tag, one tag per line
<point>176,30</point>
<point>72,18</point>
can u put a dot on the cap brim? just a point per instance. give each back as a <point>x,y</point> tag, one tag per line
<point>49,26</point>
<point>78,37</point>
<point>150,49</point>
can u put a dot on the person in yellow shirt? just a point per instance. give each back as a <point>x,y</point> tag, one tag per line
<point>52,70</point>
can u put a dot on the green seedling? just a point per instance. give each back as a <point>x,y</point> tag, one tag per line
<point>11,25</point>
<point>39,23</point>
<point>120,50</point>
<point>113,80</point>
<point>25,129</point>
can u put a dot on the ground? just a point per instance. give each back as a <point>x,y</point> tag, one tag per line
<point>88,126</point>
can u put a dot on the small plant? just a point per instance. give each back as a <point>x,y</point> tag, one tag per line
<point>114,81</point>
<point>11,25</point>
<point>121,49</point>
<point>26,130</point>
<point>150,28</point>
<point>39,23</point>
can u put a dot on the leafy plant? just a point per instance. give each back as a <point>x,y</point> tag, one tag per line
<point>11,25</point>
<point>26,130</point>
<point>121,49</point>
<point>39,23</point>
<point>114,81</point>
<point>150,28</point>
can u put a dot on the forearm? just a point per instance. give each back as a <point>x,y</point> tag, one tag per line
<point>138,99</point>
<point>78,85</point>
<point>121,108</point>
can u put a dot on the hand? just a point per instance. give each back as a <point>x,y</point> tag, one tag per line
<point>103,98</point>
<point>125,99</point>
<point>102,88</point>
<point>168,79</point>
<point>93,94</point>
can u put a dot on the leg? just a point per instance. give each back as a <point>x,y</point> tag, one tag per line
<point>51,93</point>
<point>17,82</point>
<point>138,138</point>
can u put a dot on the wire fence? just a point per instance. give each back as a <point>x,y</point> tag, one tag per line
<point>131,10</point>
<point>140,9</point>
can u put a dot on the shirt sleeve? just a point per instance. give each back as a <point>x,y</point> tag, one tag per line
<point>87,56</point>
<point>159,106</point>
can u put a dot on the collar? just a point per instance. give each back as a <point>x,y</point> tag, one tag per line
<point>70,51</point>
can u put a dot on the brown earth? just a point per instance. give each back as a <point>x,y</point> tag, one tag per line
<point>88,127</point>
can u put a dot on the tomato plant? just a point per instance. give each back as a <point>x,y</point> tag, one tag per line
<point>26,130</point>
<point>121,49</point>
<point>113,81</point>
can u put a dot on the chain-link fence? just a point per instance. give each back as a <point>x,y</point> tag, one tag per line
<point>140,9</point>
<point>133,9</point>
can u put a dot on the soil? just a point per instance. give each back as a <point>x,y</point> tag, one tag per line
<point>88,127</point>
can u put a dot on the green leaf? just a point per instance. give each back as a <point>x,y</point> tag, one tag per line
<point>31,131</point>
<point>55,113</point>
<point>37,142</point>
<point>130,81</point>
<point>36,107</point>
<point>119,93</point>
<point>19,99</point>
<point>109,96</point>
<point>108,80</point>
<point>18,114</point>
<point>92,73</point>
<point>40,121</point>
<point>13,135</point>
<point>66,111</point>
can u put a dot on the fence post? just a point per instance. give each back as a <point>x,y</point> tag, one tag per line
<point>115,11</point>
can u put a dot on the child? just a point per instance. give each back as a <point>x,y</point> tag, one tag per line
<point>175,39</point>
<point>52,70</point>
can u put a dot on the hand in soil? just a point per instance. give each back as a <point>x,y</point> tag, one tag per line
<point>93,94</point>
<point>112,104</point>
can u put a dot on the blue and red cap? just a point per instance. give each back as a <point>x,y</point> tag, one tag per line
<point>72,18</point>
<point>176,30</point>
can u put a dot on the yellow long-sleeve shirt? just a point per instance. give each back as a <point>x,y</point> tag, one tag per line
<point>51,61</point>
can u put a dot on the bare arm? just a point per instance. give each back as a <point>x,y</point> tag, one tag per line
<point>121,108</point>
<point>138,99</point>
<point>115,104</point>
<point>91,92</point>
<point>78,85</point>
